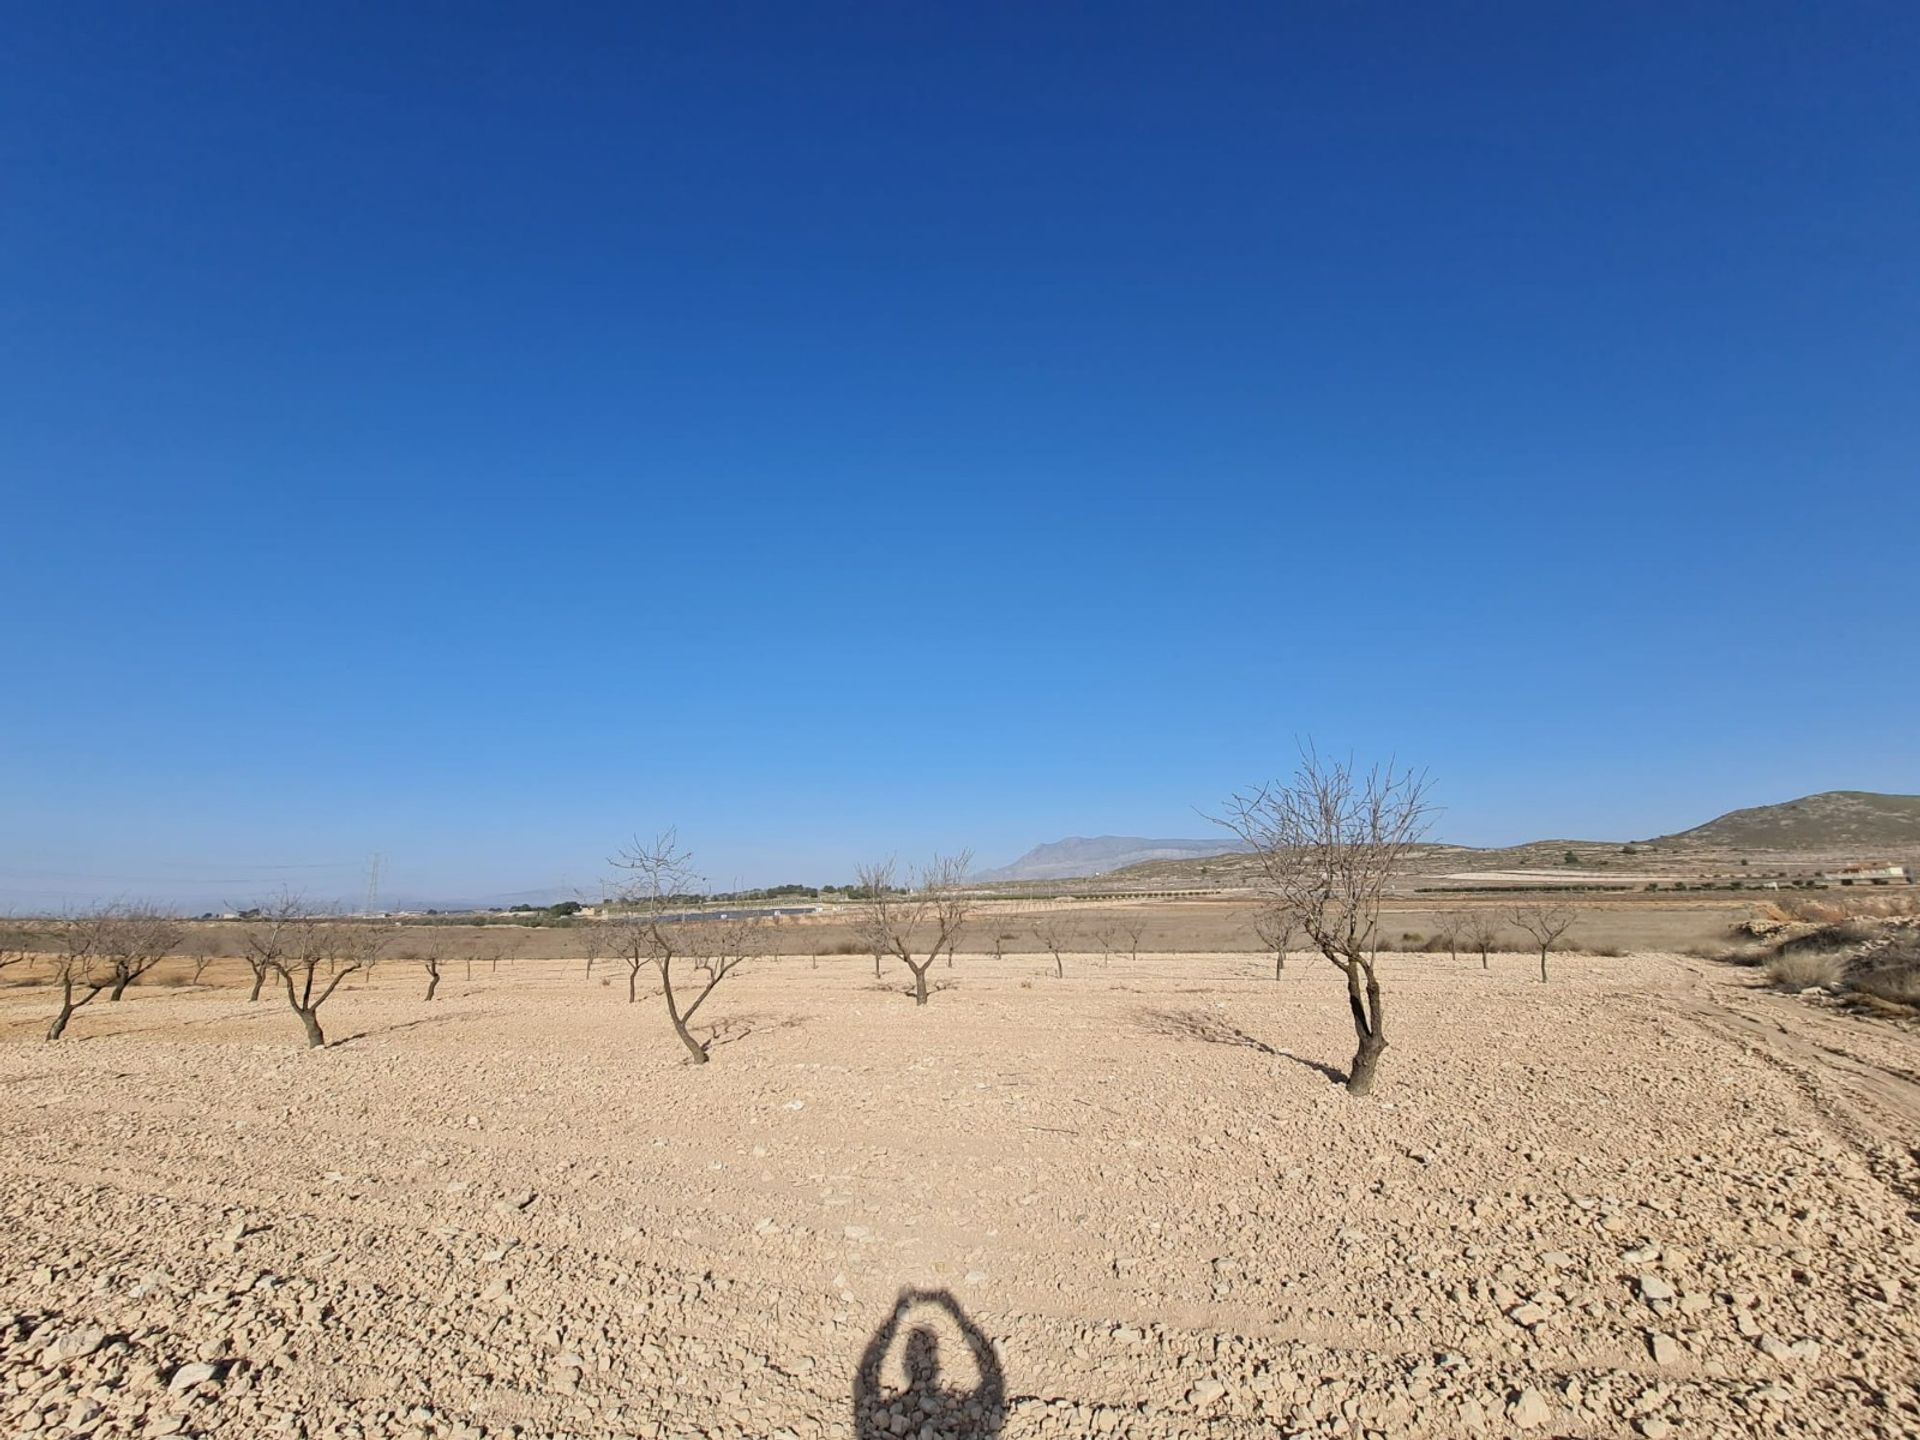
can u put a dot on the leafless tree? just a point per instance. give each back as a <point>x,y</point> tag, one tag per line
<point>1275,926</point>
<point>630,945</point>
<point>1546,921</point>
<point>1057,932</point>
<point>505,947</point>
<point>657,876</point>
<point>133,938</point>
<point>200,951</point>
<point>1328,843</point>
<point>593,942</point>
<point>1480,930</point>
<point>1135,929</point>
<point>431,955</point>
<point>266,939</point>
<point>894,921</point>
<point>1108,939</point>
<point>318,955</point>
<point>77,966</point>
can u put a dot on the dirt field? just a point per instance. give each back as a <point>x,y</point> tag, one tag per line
<point>1644,1199</point>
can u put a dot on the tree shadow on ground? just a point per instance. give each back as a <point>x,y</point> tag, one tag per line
<point>1212,1029</point>
<point>736,1028</point>
<point>396,1029</point>
<point>928,1398</point>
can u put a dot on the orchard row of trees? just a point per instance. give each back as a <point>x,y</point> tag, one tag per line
<point>1327,843</point>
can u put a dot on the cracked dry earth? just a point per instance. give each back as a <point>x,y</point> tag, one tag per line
<point>1646,1198</point>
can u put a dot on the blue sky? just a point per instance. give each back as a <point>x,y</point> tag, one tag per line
<point>478,434</point>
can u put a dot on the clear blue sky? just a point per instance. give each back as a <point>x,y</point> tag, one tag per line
<point>479,434</point>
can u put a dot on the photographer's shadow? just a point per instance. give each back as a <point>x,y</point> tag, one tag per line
<point>928,1396</point>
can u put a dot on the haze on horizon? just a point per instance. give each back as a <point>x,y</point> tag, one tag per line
<point>922,429</point>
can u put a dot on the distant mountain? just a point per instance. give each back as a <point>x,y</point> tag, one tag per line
<point>1834,820</point>
<point>1077,857</point>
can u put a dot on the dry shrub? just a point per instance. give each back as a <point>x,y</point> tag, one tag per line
<point>1892,973</point>
<point>1839,935</point>
<point>1797,969</point>
<point>843,947</point>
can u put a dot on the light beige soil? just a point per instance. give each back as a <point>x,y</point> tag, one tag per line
<point>518,1211</point>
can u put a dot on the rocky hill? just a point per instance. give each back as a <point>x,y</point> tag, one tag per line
<point>1833,820</point>
<point>1078,856</point>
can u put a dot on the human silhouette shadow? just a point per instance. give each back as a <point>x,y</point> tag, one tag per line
<point>961,1413</point>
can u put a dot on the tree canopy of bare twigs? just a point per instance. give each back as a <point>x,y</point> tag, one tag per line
<point>653,877</point>
<point>1275,926</point>
<point>132,940</point>
<point>316,955</point>
<point>1480,930</point>
<point>593,942</point>
<point>1327,843</point>
<point>1546,921</point>
<point>1135,929</point>
<point>266,939</point>
<point>1057,932</point>
<point>896,921</point>
<point>77,967</point>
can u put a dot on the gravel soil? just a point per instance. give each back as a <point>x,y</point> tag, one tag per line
<point>1645,1198</point>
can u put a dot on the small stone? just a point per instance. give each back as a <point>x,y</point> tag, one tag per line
<point>1206,1392</point>
<point>74,1345</point>
<point>1529,1411</point>
<point>1653,1288</point>
<point>1654,1428</point>
<point>1666,1349</point>
<point>188,1376</point>
<point>1528,1315</point>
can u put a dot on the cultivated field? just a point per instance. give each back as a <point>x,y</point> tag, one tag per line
<point>1647,1197</point>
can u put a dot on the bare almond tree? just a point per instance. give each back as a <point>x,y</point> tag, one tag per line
<point>78,968</point>
<point>1135,929</point>
<point>593,943</point>
<point>895,921</point>
<point>1480,930</point>
<point>431,956</point>
<point>133,938</point>
<point>318,955</point>
<point>1056,932</point>
<point>1275,927</point>
<point>1546,921</point>
<point>656,877</point>
<point>266,938</point>
<point>1328,842</point>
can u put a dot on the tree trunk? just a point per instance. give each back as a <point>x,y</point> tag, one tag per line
<point>1366,1060</point>
<point>59,1025</point>
<point>119,989</point>
<point>1279,962</point>
<point>633,985</point>
<point>876,964</point>
<point>1543,964</point>
<point>920,983</point>
<point>1059,967</point>
<point>1368,1026</point>
<point>1483,958</point>
<point>259,979</point>
<point>316,1037</point>
<point>433,983</point>
<point>694,1050</point>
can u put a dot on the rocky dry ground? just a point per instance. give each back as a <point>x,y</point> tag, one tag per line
<point>1646,1198</point>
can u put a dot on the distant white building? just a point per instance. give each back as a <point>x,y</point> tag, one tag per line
<point>1869,875</point>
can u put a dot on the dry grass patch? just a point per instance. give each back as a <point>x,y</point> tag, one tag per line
<point>1798,969</point>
